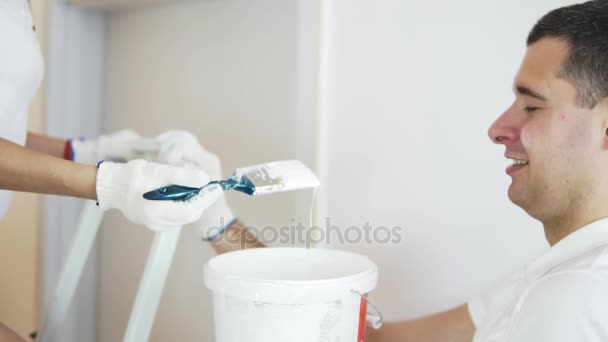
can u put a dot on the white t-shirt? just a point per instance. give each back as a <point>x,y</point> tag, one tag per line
<point>562,296</point>
<point>21,70</point>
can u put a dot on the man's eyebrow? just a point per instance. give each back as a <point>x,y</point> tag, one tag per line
<point>523,90</point>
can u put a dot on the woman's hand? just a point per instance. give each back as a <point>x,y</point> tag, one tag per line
<point>122,186</point>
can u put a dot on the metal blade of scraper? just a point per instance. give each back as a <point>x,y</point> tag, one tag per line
<point>279,176</point>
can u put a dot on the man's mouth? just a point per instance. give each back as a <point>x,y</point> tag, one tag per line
<point>516,165</point>
<point>519,162</point>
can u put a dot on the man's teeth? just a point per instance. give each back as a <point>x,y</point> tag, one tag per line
<point>520,162</point>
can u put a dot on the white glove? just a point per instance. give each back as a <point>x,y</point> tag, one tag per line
<point>122,186</point>
<point>122,146</point>
<point>181,148</point>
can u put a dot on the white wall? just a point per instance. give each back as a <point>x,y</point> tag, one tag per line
<point>412,88</point>
<point>227,71</point>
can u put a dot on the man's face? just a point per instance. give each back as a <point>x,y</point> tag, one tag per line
<point>556,143</point>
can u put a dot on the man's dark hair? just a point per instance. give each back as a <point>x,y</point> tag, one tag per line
<point>584,27</point>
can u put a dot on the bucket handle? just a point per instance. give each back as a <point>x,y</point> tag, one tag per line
<point>374,320</point>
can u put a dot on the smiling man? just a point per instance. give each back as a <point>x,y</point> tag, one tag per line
<point>556,133</point>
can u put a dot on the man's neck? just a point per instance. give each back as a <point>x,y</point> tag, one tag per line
<point>559,227</point>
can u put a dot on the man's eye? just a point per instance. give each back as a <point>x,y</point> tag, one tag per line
<point>530,109</point>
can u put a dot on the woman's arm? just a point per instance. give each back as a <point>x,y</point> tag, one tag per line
<point>45,144</point>
<point>24,169</point>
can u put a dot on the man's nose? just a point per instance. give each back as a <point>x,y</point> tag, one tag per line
<point>503,130</point>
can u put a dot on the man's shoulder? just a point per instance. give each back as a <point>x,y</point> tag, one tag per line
<point>570,290</point>
<point>563,306</point>
<point>594,261</point>
<point>566,305</point>
<point>570,281</point>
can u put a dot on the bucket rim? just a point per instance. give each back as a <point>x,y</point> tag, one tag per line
<point>301,283</point>
<point>365,280</point>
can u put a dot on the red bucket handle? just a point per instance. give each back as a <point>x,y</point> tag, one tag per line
<point>366,318</point>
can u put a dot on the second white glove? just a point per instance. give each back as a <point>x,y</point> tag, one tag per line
<point>122,186</point>
<point>122,146</point>
<point>183,148</point>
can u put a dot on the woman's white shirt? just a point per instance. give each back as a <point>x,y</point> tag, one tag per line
<point>21,73</point>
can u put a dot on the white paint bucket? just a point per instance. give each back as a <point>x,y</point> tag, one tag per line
<point>291,294</point>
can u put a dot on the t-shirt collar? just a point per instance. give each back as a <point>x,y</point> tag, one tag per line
<point>587,238</point>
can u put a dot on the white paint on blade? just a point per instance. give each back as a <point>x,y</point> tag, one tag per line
<point>280,176</point>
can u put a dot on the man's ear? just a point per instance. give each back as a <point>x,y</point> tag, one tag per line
<point>603,111</point>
